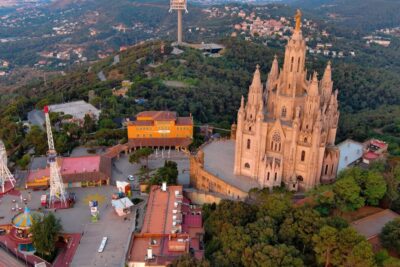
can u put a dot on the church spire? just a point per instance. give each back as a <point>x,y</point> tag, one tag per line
<point>328,73</point>
<point>274,73</point>
<point>256,85</point>
<point>297,17</point>
<point>313,91</point>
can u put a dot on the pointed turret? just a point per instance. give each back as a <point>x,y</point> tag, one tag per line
<point>328,73</point>
<point>256,85</point>
<point>274,73</point>
<point>241,104</point>
<point>313,90</point>
<point>326,83</point>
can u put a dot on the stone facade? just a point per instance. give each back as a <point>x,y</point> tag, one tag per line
<point>286,130</point>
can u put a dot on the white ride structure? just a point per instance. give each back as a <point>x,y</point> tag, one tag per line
<point>57,190</point>
<point>5,174</point>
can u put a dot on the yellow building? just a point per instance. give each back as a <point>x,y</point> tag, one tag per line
<point>160,128</point>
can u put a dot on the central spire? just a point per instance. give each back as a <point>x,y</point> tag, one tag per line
<point>298,20</point>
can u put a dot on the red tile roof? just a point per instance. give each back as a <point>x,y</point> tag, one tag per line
<point>77,169</point>
<point>184,121</point>
<point>378,143</point>
<point>371,155</point>
<point>158,115</point>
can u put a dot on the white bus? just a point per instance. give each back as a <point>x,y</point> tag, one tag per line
<point>103,244</point>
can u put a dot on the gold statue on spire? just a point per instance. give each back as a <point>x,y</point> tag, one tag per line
<point>298,20</point>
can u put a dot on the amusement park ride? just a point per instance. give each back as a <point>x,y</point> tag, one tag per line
<point>7,181</point>
<point>58,197</point>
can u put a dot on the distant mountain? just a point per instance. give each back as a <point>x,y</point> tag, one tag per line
<point>361,15</point>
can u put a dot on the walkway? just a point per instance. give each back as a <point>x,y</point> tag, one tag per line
<point>7,260</point>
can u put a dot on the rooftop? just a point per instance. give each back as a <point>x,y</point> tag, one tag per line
<point>71,167</point>
<point>80,164</point>
<point>158,115</point>
<point>219,157</point>
<point>372,225</point>
<point>78,109</point>
<point>165,213</point>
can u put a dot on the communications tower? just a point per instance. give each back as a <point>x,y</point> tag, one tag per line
<point>179,6</point>
<point>57,190</point>
<point>7,181</point>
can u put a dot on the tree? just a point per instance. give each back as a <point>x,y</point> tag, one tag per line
<point>142,153</point>
<point>274,205</point>
<point>299,227</point>
<point>267,255</point>
<point>325,244</point>
<point>38,139</point>
<point>188,260</point>
<point>390,235</point>
<point>375,188</point>
<point>347,194</point>
<point>89,124</point>
<point>342,247</point>
<point>24,161</point>
<point>168,173</point>
<point>45,231</point>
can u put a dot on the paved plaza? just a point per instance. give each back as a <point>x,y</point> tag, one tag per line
<point>78,219</point>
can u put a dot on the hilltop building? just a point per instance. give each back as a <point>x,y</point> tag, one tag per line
<point>160,129</point>
<point>172,227</point>
<point>285,132</point>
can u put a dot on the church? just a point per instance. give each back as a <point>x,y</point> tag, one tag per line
<point>286,130</point>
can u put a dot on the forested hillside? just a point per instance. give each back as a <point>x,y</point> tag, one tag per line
<point>208,88</point>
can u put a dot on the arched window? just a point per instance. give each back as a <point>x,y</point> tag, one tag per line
<point>291,64</point>
<point>248,143</point>
<point>276,142</point>
<point>303,155</point>
<point>250,129</point>
<point>283,113</point>
<point>326,169</point>
<point>332,169</point>
<point>268,176</point>
<point>276,176</point>
<point>298,65</point>
<point>247,166</point>
<point>305,139</point>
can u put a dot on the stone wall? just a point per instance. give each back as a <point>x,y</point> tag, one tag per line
<point>208,182</point>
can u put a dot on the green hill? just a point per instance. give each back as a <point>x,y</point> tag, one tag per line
<point>211,92</point>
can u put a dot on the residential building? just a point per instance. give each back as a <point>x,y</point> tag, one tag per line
<point>351,152</point>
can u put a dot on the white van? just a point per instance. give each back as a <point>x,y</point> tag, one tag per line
<point>102,245</point>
